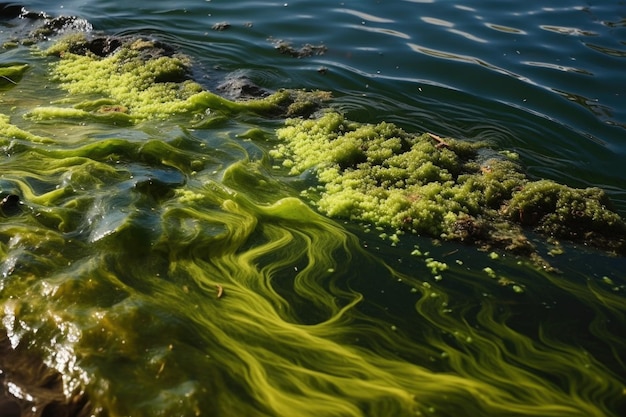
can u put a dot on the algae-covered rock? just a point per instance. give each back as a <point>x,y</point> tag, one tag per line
<point>562,211</point>
<point>135,74</point>
<point>137,79</point>
<point>445,188</point>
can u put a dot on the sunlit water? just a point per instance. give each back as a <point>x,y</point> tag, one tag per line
<point>115,285</point>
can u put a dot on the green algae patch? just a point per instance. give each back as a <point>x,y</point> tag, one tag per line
<point>134,76</point>
<point>282,103</point>
<point>9,131</point>
<point>10,75</point>
<point>444,188</point>
<point>118,117</point>
<point>128,79</point>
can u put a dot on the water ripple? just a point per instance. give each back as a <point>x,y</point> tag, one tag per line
<point>505,29</point>
<point>465,58</point>
<point>606,50</point>
<point>450,28</point>
<point>568,30</point>
<point>365,16</point>
<point>558,67</point>
<point>383,31</point>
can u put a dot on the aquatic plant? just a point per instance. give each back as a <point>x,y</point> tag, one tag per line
<point>445,188</point>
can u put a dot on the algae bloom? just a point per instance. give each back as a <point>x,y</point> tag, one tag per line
<point>445,188</point>
<point>170,271</point>
<point>130,79</point>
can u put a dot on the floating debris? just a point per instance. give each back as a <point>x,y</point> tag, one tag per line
<point>306,50</point>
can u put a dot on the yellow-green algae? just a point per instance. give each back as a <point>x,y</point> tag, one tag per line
<point>445,188</point>
<point>133,316</point>
<point>10,75</point>
<point>170,277</point>
<point>9,132</point>
<point>137,81</point>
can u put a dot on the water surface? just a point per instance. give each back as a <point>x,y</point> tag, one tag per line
<point>115,283</point>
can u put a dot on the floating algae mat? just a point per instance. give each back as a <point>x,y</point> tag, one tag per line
<point>158,258</point>
<point>446,188</point>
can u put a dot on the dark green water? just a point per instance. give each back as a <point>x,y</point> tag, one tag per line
<point>111,275</point>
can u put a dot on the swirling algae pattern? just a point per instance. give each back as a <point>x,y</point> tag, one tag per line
<point>160,288</point>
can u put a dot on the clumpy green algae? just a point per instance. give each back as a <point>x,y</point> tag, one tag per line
<point>168,277</point>
<point>134,79</point>
<point>445,188</point>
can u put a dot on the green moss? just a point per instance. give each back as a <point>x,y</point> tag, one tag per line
<point>444,188</point>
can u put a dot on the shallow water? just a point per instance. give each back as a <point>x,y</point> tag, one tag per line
<point>115,283</point>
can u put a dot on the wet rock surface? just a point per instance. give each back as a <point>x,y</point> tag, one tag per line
<point>28,388</point>
<point>240,86</point>
<point>306,50</point>
<point>28,27</point>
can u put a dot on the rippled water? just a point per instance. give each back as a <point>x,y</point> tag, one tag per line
<point>543,78</point>
<point>115,285</point>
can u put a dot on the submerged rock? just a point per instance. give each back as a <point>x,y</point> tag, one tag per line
<point>306,50</point>
<point>29,388</point>
<point>28,27</point>
<point>240,86</point>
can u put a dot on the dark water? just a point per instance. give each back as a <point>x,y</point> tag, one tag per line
<point>115,286</point>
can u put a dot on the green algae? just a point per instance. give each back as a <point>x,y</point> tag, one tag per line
<point>167,277</point>
<point>10,75</point>
<point>135,79</point>
<point>9,131</point>
<point>138,307</point>
<point>149,88</point>
<point>444,188</point>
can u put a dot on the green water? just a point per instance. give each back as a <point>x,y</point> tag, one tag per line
<point>165,267</point>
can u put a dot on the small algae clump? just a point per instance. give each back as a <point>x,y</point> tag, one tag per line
<point>129,79</point>
<point>10,75</point>
<point>444,188</point>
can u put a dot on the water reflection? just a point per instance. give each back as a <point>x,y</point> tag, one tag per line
<point>607,50</point>
<point>568,30</point>
<point>465,58</point>
<point>505,29</point>
<point>558,67</point>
